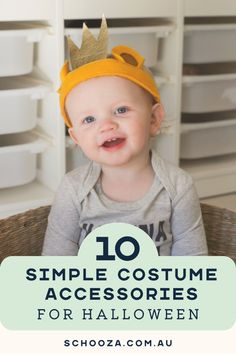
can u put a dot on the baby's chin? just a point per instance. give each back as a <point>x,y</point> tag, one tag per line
<point>110,161</point>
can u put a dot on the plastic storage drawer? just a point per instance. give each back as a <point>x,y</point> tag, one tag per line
<point>17,48</point>
<point>209,43</point>
<point>18,158</point>
<point>18,102</point>
<point>202,140</point>
<point>208,117</point>
<point>213,175</point>
<point>209,93</point>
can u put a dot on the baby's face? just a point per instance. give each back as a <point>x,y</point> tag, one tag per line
<point>112,120</point>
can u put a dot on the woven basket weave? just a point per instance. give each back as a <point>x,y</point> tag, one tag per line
<point>220,227</point>
<point>23,234</point>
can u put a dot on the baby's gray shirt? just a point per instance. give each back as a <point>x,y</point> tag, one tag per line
<point>169,212</point>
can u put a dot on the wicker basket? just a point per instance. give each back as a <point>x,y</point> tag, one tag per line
<point>23,234</point>
<point>220,227</point>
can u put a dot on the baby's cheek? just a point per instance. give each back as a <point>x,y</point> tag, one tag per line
<point>141,131</point>
<point>87,144</point>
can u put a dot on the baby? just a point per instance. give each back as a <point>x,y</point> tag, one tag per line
<point>112,108</point>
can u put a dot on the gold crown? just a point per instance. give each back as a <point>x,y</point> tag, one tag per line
<point>91,48</point>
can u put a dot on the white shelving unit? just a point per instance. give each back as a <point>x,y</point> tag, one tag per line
<point>154,27</point>
<point>35,180</point>
<point>208,144</point>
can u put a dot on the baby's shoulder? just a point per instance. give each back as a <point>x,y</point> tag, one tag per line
<point>177,175</point>
<point>174,178</point>
<point>83,178</point>
<point>78,174</point>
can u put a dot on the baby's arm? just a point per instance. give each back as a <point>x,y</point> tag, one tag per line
<point>62,234</point>
<point>187,226</point>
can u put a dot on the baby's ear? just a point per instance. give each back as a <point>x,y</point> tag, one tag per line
<point>156,118</point>
<point>73,135</point>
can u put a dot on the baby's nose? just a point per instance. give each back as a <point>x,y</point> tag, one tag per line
<point>108,124</point>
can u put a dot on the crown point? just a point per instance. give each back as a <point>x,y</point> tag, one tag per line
<point>91,48</point>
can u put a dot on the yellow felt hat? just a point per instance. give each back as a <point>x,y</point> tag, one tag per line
<point>124,62</point>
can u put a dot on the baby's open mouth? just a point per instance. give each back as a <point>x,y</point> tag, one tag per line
<point>113,142</point>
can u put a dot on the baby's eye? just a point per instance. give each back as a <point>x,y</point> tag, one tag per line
<point>89,119</point>
<point>121,110</point>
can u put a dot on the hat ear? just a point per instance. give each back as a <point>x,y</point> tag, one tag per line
<point>128,55</point>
